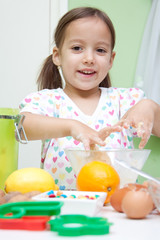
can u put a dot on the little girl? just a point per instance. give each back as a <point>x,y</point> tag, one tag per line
<point>76,105</point>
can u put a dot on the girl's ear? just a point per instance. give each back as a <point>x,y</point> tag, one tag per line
<point>112,59</point>
<point>56,56</point>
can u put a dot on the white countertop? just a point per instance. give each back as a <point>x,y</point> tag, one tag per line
<point>122,229</point>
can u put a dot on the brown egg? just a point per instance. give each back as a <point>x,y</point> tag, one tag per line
<point>137,204</point>
<point>136,186</point>
<point>146,184</point>
<point>117,197</point>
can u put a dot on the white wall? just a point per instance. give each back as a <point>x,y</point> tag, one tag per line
<point>26,30</point>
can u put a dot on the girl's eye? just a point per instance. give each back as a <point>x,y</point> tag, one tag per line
<point>100,50</point>
<point>77,48</point>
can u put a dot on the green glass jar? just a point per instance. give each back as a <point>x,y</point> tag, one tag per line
<point>9,119</point>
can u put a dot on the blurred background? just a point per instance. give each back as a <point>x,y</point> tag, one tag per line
<point>26,39</point>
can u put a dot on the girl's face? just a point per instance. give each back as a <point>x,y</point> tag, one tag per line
<point>86,55</point>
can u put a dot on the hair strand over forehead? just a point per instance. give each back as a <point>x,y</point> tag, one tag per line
<point>78,13</point>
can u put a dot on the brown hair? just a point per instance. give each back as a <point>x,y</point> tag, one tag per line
<point>49,76</point>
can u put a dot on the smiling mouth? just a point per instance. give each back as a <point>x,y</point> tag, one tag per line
<point>87,72</point>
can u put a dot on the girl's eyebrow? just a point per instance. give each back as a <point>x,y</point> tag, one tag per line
<point>104,43</point>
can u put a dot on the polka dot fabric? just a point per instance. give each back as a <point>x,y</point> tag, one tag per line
<point>113,104</point>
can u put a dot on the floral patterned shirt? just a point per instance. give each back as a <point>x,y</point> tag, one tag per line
<point>113,104</point>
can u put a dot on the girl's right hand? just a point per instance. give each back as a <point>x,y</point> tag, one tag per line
<point>38,127</point>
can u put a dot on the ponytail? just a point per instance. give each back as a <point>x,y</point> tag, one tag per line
<point>106,83</point>
<point>49,76</point>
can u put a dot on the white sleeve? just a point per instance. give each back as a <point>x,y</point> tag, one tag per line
<point>39,103</point>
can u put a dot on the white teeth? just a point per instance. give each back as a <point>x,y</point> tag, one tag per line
<point>87,72</point>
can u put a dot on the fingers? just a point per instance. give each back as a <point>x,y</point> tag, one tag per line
<point>144,141</point>
<point>89,141</point>
<point>105,132</point>
<point>125,123</point>
<point>144,133</point>
<point>143,130</point>
<point>86,144</point>
<point>84,140</point>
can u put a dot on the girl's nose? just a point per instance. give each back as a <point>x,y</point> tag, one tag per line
<point>88,58</point>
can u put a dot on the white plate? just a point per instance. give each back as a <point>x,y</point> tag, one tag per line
<point>90,207</point>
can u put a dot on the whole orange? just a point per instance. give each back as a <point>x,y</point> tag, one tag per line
<point>98,177</point>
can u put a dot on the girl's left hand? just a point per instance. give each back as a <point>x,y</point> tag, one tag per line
<point>141,117</point>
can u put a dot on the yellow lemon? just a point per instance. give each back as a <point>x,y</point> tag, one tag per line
<point>30,179</point>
